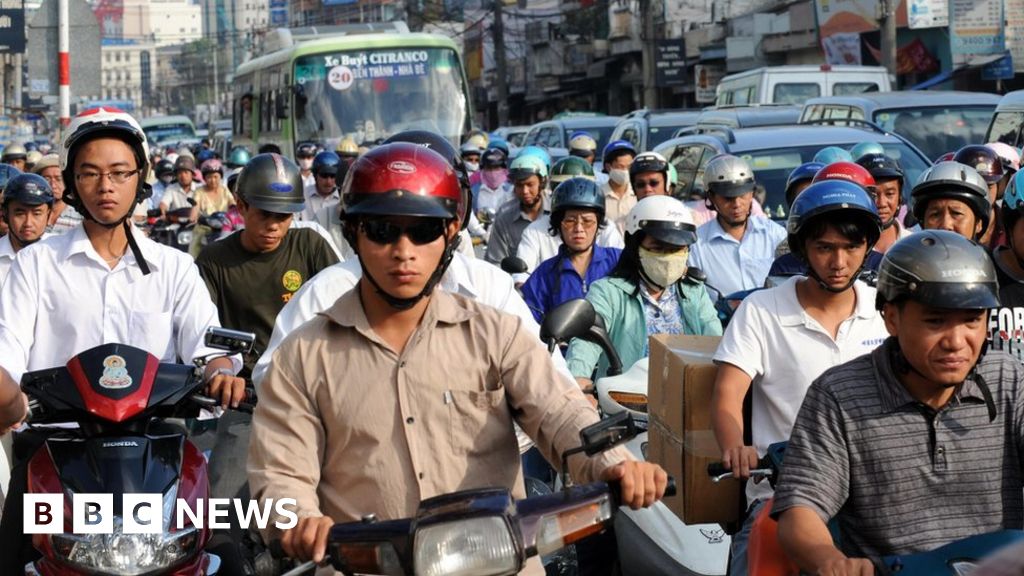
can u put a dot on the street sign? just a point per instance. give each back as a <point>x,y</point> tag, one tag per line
<point>12,26</point>
<point>1001,69</point>
<point>669,63</point>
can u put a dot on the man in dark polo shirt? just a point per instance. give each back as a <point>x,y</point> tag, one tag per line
<point>919,443</point>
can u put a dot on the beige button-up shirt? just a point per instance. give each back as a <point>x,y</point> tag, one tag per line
<point>616,208</point>
<point>348,427</point>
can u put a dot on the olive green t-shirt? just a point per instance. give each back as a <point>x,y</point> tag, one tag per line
<point>249,289</point>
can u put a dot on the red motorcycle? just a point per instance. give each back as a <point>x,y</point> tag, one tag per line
<point>123,400</point>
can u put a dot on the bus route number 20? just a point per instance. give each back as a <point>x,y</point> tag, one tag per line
<point>340,77</point>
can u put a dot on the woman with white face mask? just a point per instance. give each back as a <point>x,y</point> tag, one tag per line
<point>648,292</point>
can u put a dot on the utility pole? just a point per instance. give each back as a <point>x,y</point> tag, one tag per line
<point>215,113</point>
<point>888,25</point>
<point>64,63</point>
<point>499,61</point>
<point>649,70</point>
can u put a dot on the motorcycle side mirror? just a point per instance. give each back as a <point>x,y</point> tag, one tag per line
<point>608,433</point>
<point>696,274</point>
<point>233,341</point>
<point>572,319</point>
<point>513,265</point>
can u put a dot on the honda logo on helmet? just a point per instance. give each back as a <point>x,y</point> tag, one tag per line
<point>402,167</point>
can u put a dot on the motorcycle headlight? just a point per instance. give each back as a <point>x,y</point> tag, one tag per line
<point>185,237</point>
<point>125,554</point>
<point>476,547</point>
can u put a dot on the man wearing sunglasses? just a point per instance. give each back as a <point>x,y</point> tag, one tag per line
<point>251,275</point>
<point>324,192</point>
<point>649,175</point>
<point>418,386</point>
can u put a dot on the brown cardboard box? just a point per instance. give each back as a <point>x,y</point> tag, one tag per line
<point>681,438</point>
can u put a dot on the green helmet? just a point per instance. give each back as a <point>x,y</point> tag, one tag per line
<point>528,165</point>
<point>238,157</point>
<point>571,167</point>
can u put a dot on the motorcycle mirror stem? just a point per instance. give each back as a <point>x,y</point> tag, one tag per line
<point>600,436</point>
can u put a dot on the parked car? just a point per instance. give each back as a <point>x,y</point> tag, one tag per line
<point>514,135</point>
<point>646,129</point>
<point>935,121</point>
<point>1008,120</point>
<point>751,116</point>
<point>796,84</point>
<point>556,133</point>
<point>773,153</point>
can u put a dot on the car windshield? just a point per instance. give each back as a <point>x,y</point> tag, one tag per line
<point>169,131</point>
<point>598,133</point>
<point>372,94</point>
<point>1005,128</point>
<point>658,134</point>
<point>938,130</point>
<point>772,167</point>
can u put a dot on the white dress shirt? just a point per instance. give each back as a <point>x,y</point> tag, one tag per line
<point>175,197</point>
<point>538,245</point>
<point>6,257</point>
<point>315,202</point>
<point>61,298</point>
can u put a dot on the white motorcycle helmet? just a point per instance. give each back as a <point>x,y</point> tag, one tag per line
<point>664,218</point>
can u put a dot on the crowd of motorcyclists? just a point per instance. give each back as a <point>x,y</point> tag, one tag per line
<point>396,361</point>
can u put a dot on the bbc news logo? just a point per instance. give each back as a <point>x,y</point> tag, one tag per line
<point>144,513</point>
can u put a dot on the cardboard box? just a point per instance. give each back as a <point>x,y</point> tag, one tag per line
<point>681,438</point>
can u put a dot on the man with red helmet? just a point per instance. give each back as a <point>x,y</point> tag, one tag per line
<point>383,377</point>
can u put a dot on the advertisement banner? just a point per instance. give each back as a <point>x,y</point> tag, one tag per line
<point>842,49</point>
<point>706,79</point>
<point>927,13</point>
<point>976,27</point>
<point>1014,17</point>
<point>12,27</point>
<point>669,63</point>
<point>846,16</point>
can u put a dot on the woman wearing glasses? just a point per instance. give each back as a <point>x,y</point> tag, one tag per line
<point>577,214</point>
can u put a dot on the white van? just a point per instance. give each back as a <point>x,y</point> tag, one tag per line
<point>795,84</point>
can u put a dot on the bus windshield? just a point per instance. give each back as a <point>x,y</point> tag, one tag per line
<point>371,94</point>
<point>169,132</point>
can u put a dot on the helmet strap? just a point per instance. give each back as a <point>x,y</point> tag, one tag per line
<point>122,221</point>
<point>889,224</point>
<point>432,282</point>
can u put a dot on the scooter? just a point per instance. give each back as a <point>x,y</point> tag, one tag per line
<point>483,532</point>
<point>121,398</point>
<point>174,230</point>
<point>653,541</point>
<point>766,558</point>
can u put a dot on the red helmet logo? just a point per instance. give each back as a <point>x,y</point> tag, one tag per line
<point>402,167</point>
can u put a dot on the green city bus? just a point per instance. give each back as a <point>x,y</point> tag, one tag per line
<point>363,86</point>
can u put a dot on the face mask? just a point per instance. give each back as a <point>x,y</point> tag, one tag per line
<point>493,179</point>
<point>664,269</point>
<point>305,163</point>
<point>167,179</point>
<point>618,176</point>
<point>472,166</point>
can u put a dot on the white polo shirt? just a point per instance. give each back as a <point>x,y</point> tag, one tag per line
<point>61,298</point>
<point>6,257</point>
<point>783,349</point>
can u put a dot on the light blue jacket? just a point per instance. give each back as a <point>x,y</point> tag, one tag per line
<point>623,313</point>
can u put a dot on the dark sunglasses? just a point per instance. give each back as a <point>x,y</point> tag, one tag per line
<point>646,183</point>
<point>420,233</point>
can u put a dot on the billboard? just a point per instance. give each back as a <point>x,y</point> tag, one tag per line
<point>976,27</point>
<point>12,27</point>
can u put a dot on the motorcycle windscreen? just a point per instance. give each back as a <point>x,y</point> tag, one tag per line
<point>114,380</point>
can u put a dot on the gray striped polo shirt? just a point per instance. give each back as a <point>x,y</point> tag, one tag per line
<point>898,476</point>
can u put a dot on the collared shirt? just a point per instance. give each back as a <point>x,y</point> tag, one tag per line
<point>316,202</point>
<point>506,231</point>
<point>431,420</point>
<point>537,244</point>
<point>485,198</point>
<point>556,280</point>
<point>663,315</point>
<point>61,298</point>
<point>159,188</point>
<point>865,452</point>
<point>732,265</point>
<point>68,220</point>
<point>7,255</point>
<point>329,218</point>
<point>175,197</point>
<point>616,207</point>
<point>783,349</point>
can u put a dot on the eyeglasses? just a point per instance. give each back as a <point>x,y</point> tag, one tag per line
<point>420,233</point>
<point>327,176</point>
<point>646,183</point>
<point>586,221</point>
<point>116,176</point>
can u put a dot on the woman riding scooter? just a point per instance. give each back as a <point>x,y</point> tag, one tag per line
<point>648,292</point>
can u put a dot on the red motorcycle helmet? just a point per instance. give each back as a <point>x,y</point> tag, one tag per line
<point>983,159</point>
<point>847,171</point>
<point>402,179</point>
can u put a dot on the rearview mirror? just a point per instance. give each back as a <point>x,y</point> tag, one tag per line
<point>573,319</point>
<point>608,433</point>
<point>514,265</point>
<point>233,341</point>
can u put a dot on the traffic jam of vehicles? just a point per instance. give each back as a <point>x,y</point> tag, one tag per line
<point>348,320</point>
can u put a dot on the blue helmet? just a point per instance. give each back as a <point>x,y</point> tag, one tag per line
<point>829,197</point>
<point>830,154</point>
<point>538,152</point>
<point>29,189</point>
<point>498,143</point>
<point>205,155</point>
<point>6,173</point>
<point>1013,203</point>
<point>863,148</point>
<point>326,162</point>
<point>616,148</point>
<point>577,192</point>
<point>802,173</point>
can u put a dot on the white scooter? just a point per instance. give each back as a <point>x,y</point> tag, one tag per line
<point>652,541</point>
